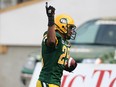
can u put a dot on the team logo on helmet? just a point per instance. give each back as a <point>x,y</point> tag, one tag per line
<point>63,21</point>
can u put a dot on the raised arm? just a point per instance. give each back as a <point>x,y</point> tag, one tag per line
<point>51,35</point>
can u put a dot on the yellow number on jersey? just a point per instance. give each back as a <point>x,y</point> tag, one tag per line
<point>65,54</point>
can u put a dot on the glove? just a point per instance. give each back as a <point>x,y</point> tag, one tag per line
<point>50,11</point>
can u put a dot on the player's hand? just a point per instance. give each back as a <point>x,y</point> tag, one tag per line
<point>50,10</point>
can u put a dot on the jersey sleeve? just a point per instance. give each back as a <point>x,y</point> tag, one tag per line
<point>57,38</point>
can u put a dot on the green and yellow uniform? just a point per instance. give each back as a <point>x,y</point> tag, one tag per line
<point>54,60</point>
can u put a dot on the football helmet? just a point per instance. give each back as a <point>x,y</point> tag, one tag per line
<point>63,24</point>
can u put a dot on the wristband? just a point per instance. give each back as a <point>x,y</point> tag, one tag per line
<point>50,21</point>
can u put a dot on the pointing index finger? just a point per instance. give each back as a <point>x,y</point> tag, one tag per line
<point>46,4</point>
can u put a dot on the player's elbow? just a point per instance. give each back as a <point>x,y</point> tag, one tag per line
<point>51,43</point>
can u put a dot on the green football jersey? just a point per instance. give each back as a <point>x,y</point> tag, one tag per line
<point>54,60</point>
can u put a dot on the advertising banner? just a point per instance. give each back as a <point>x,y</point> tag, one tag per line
<point>85,75</point>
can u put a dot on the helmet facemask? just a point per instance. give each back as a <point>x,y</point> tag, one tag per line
<point>71,28</point>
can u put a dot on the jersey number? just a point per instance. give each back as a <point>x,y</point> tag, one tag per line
<point>64,55</point>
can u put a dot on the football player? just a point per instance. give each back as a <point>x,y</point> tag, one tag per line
<point>55,49</point>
